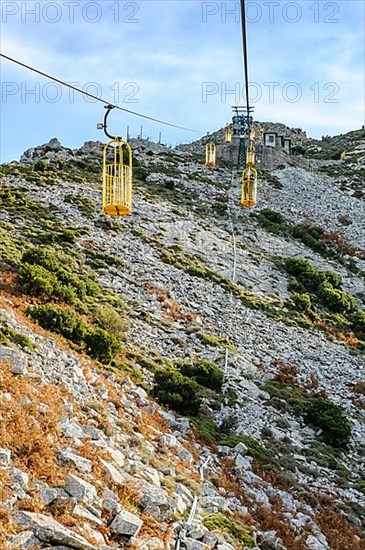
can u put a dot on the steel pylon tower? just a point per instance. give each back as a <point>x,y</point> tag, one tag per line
<point>241,121</point>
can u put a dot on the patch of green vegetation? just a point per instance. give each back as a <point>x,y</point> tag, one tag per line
<point>333,146</point>
<point>208,431</point>
<point>48,274</point>
<point>177,391</point>
<point>215,341</point>
<point>51,232</point>
<point>204,372</point>
<point>235,529</point>
<point>330,418</point>
<point>301,302</point>
<point>84,204</point>
<point>323,288</point>
<point>335,299</point>
<point>8,334</point>
<point>110,320</point>
<point>98,260</point>
<point>315,411</point>
<point>83,166</point>
<point>10,246</point>
<point>153,363</point>
<point>183,385</point>
<point>307,277</point>
<point>273,222</point>
<point>97,342</point>
<point>312,236</point>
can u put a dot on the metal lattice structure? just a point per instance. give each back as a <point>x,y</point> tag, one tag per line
<point>117,178</point>
<point>241,122</point>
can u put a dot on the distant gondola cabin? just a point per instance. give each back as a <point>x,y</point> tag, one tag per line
<point>210,154</point>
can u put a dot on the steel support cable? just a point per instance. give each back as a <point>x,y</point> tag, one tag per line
<point>87,94</point>
<point>234,263</point>
<point>245,59</point>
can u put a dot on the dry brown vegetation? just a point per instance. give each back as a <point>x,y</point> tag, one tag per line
<point>342,245</point>
<point>339,532</point>
<point>286,373</point>
<point>170,306</point>
<point>359,387</point>
<point>348,338</point>
<point>30,425</point>
<point>151,422</point>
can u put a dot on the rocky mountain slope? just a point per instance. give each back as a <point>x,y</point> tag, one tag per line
<point>153,397</point>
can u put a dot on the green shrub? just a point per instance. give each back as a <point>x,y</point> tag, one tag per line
<point>273,221</point>
<point>110,320</point>
<point>271,216</point>
<point>313,237</point>
<point>237,530</point>
<point>177,391</point>
<point>304,271</point>
<point>336,428</point>
<point>335,299</point>
<point>7,333</point>
<point>308,276</point>
<point>204,372</point>
<point>206,430</point>
<point>101,345</point>
<point>358,323</point>
<point>59,320</point>
<point>35,280</point>
<point>45,273</point>
<point>84,204</point>
<point>40,166</point>
<point>302,302</point>
<point>314,410</point>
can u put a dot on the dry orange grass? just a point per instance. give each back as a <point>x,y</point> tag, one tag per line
<point>348,338</point>
<point>286,373</point>
<point>273,519</point>
<point>149,422</point>
<point>153,528</point>
<point>30,425</point>
<point>170,306</point>
<point>359,387</point>
<point>339,532</point>
<point>128,494</point>
<point>161,294</point>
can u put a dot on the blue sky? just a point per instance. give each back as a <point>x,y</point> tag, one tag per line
<point>177,60</point>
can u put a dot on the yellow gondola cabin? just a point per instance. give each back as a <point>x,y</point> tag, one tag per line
<point>117,178</point>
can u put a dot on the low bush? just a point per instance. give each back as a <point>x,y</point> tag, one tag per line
<point>59,320</point>
<point>236,529</point>
<point>208,431</point>
<point>301,302</point>
<point>336,300</point>
<point>101,345</point>
<point>329,417</point>
<point>110,320</point>
<point>308,277</point>
<point>273,221</point>
<point>177,391</point>
<point>8,334</point>
<point>47,274</point>
<point>204,372</point>
<point>315,410</point>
